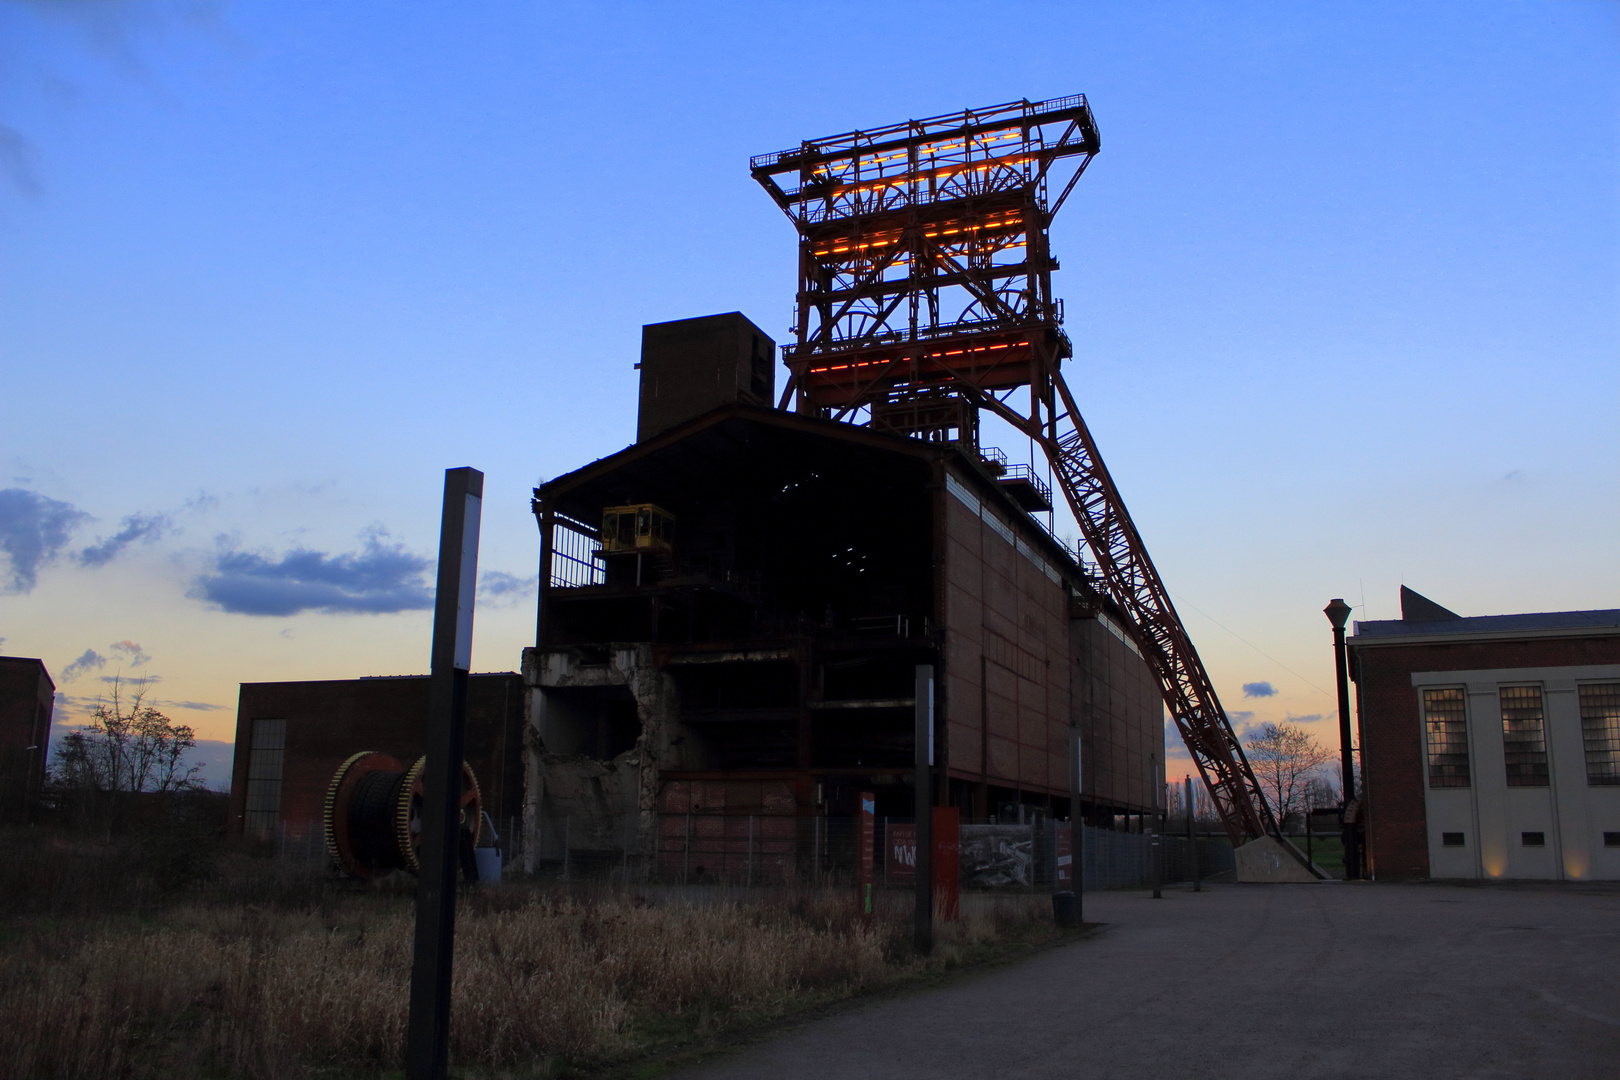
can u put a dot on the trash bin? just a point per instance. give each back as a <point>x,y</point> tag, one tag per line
<point>1065,909</point>
<point>489,864</point>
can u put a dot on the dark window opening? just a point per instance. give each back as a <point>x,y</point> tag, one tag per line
<point>768,684</point>
<point>862,738</point>
<point>1533,839</point>
<point>1611,839</point>
<point>595,721</point>
<point>1451,839</point>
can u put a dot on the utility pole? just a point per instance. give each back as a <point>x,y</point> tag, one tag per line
<point>923,798</point>
<point>1338,612</point>
<point>427,1035</point>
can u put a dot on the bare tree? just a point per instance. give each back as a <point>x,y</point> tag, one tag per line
<point>1285,759</point>
<point>129,746</point>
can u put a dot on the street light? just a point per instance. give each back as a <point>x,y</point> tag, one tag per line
<point>1338,613</point>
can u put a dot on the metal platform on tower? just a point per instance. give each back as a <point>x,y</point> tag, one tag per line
<point>925,298</point>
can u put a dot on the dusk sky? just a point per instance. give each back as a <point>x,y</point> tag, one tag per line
<point>1343,283</point>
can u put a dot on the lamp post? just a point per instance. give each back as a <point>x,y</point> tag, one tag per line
<point>1338,612</point>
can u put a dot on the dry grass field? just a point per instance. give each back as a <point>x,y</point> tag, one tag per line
<point>269,972</point>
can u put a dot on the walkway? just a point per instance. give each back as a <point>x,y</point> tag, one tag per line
<point>1358,981</point>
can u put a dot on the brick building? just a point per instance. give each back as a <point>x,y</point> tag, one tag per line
<point>292,736</point>
<point>27,697</point>
<point>732,610</point>
<point>1490,745</point>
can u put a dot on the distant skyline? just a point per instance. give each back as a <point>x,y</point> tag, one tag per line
<point>1343,283</point>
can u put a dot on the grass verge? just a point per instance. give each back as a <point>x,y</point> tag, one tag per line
<point>267,974</point>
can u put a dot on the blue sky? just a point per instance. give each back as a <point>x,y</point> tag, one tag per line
<point>1342,282</point>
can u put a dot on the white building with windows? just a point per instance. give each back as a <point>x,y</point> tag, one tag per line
<point>1490,745</point>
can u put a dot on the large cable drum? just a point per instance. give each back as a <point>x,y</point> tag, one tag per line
<point>373,814</point>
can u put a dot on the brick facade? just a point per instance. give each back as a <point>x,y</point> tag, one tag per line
<point>1392,740</point>
<point>27,697</point>
<point>327,721</point>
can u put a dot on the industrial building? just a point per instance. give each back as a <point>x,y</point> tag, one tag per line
<point>27,698</point>
<point>1490,745</point>
<point>292,736</point>
<point>732,612</point>
<point>733,608</point>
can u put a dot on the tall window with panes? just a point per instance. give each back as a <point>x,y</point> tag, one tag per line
<point>1600,731</point>
<point>1524,737</point>
<point>265,754</point>
<point>1445,720</point>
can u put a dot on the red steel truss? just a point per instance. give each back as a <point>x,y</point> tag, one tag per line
<point>925,296</point>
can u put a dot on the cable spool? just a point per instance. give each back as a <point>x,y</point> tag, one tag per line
<point>373,813</point>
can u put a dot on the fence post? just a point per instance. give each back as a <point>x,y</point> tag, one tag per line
<point>1192,838</point>
<point>686,852</point>
<point>568,820</point>
<point>750,851</point>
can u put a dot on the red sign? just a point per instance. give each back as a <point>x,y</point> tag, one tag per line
<point>865,828</point>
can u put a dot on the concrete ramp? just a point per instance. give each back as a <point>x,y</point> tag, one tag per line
<point>1268,860</point>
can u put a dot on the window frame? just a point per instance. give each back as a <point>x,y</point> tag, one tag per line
<point>1520,763</point>
<point>1597,777</point>
<point>267,756</point>
<point>1447,745</point>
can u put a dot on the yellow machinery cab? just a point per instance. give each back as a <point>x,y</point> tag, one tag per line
<point>640,530</point>
<point>642,527</point>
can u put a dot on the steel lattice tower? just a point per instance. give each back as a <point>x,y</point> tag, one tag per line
<point>925,296</point>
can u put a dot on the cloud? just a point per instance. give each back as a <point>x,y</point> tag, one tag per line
<point>17,162</point>
<point>113,33</point>
<point>137,655</point>
<point>194,706</point>
<point>382,578</point>
<point>33,529</point>
<point>1309,718</point>
<point>68,704</point>
<point>144,527</point>
<point>90,660</point>
<point>137,681</point>
<point>1242,716</point>
<point>1259,689</point>
<point>500,589</point>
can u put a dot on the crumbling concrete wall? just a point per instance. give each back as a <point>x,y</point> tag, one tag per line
<point>607,804</point>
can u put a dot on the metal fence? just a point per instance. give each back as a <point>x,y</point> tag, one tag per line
<point>993,856</point>
<point>751,850</point>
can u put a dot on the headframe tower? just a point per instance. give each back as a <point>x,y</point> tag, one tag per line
<point>925,297</point>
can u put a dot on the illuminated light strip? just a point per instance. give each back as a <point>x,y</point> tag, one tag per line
<point>879,243</point>
<point>856,364</point>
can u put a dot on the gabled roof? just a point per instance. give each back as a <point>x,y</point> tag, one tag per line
<point>730,435</point>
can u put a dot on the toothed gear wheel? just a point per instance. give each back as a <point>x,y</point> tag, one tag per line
<point>372,813</point>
